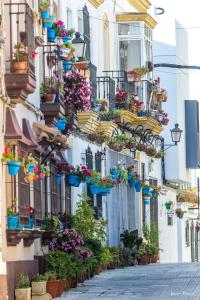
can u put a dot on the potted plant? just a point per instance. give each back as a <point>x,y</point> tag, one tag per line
<point>82,64</point>
<point>13,160</point>
<point>118,142</point>
<point>137,73</point>
<point>53,284</point>
<point>61,123</point>
<point>66,51</point>
<point>142,254</point>
<point>19,62</point>
<point>48,22</point>
<point>12,215</point>
<point>168,204</point>
<point>22,289</point>
<point>49,88</point>
<point>44,8</point>
<point>146,189</point>
<point>115,172</point>
<point>75,176</point>
<point>132,180</point>
<point>39,285</point>
<point>106,184</point>
<point>138,186</point>
<point>94,182</point>
<point>121,96</point>
<point>180,213</point>
<point>118,116</point>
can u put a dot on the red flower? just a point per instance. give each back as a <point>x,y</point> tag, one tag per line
<point>6,150</point>
<point>35,169</point>
<point>18,151</point>
<point>42,175</point>
<point>36,177</point>
<point>33,54</point>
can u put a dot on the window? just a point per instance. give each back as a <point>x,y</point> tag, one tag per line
<point>129,29</point>
<point>69,22</point>
<point>55,191</point>
<point>23,196</point>
<point>130,54</point>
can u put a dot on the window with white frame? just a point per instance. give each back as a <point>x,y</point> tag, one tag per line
<point>130,54</point>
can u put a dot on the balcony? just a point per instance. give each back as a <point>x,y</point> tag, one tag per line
<point>20,78</point>
<point>53,110</point>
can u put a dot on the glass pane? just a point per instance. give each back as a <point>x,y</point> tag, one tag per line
<point>129,29</point>
<point>130,54</point>
<point>69,19</point>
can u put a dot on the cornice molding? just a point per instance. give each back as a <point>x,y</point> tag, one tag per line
<point>96,3</point>
<point>135,17</point>
<point>140,5</point>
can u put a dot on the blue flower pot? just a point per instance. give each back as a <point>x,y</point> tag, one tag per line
<point>12,222</point>
<point>47,24</point>
<point>66,39</point>
<point>45,14</point>
<point>51,35</point>
<point>146,190</point>
<point>31,222</point>
<point>138,186</point>
<point>94,189</point>
<point>60,124</point>
<point>115,174</point>
<point>87,179</point>
<point>104,191</point>
<point>13,167</point>
<point>131,183</point>
<point>58,179</point>
<point>31,168</point>
<point>67,65</point>
<point>153,194</point>
<point>146,201</point>
<point>129,176</point>
<point>74,180</point>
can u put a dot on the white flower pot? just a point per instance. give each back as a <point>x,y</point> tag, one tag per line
<point>23,294</point>
<point>39,288</point>
<point>64,52</point>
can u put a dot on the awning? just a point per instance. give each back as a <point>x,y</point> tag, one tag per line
<point>51,135</point>
<point>12,130</point>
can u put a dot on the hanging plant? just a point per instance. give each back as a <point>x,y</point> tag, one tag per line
<point>118,142</point>
<point>77,92</point>
<point>168,204</point>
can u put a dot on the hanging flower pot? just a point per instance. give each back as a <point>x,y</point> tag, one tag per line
<point>146,190</point>
<point>146,201</point>
<point>60,124</point>
<point>58,178</point>
<point>94,189</point>
<point>74,180</point>
<point>67,65</point>
<point>12,222</point>
<point>31,222</point>
<point>115,174</point>
<point>179,213</point>
<point>153,194</point>
<point>13,167</point>
<point>81,65</point>
<point>51,35</point>
<point>165,121</point>
<point>66,38</point>
<point>45,13</point>
<point>64,52</point>
<point>49,97</point>
<point>138,186</point>
<point>31,168</point>
<point>48,22</point>
<point>104,191</point>
<point>168,205</point>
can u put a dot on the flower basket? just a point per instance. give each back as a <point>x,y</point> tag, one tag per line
<point>138,187</point>
<point>146,201</point>
<point>146,190</point>
<point>51,35</point>
<point>115,174</point>
<point>12,222</point>
<point>13,167</point>
<point>60,124</point>
<point>168,205</point>
<point>67,65</point>
<point>74,180</point>
<point>94,189</point>
<point>104,191</point>
<point>31,168</point>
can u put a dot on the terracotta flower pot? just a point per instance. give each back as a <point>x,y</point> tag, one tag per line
<point>19,67</point>
<point>98,270</point>
<point>132,106</point>
<point>39,288</point>
<point>165,121</point>
<point>144,260</point>
<point>23,294</point>
<point>118,119</point>
<point>53,288</point>
<point>68,283</point>
<point>82,65</point>
<point>154,259</point>
<point>49,97</point>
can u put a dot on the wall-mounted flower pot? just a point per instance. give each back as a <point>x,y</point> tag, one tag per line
<point>51,35</point>
<point>39,288</point>
<point>49,97</point>
<point>168,205</point>
<point>115,174</point>
<point>31,222</point>
<point>31,168</point>
<point>66,38</point>
<point>19,67</point>
<point>60,124</point>
<point>82,65</point>
<point>58,179</point>
<point>94,189</point>
<point>64,52</point>
<point>180,214</point>
<point>153,194</point>
<point>146,190</point>
<point>12,222</point>
<point>13,167</point>
<point>22,294</point>
<point>87,179</point>
<point>132,183</point>
<point>45,13</point>
<point>48,22</point>
<point>67,65</point>
<point>104,191</point>
<point>138,187</point>
<point>74,180</point>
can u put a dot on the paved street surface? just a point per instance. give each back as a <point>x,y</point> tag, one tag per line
<point>154,282</point>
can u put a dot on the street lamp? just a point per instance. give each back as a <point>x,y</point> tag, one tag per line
<point>176,133</point>
<point>79,45</point>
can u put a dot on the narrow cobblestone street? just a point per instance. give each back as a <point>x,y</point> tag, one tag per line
<point>161,281</point>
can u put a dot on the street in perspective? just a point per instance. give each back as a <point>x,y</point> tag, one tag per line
<point>99,150</point>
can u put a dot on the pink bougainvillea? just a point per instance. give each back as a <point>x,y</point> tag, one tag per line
<point>77,92</point>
